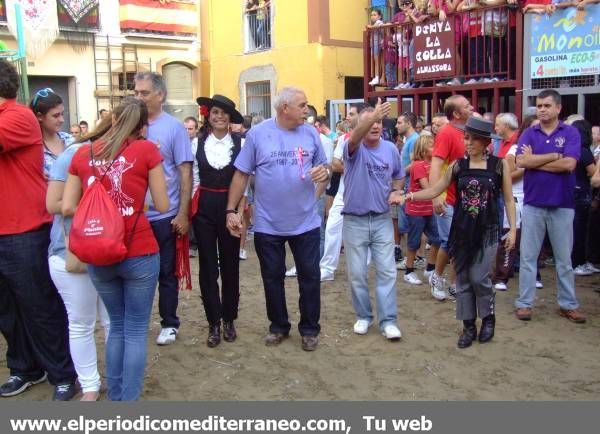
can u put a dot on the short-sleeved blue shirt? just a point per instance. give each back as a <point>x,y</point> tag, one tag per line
<point>284,193</point>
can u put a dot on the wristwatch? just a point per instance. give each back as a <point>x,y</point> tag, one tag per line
<point>231,211</point>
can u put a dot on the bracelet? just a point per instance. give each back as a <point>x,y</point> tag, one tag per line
<point>231,211</point>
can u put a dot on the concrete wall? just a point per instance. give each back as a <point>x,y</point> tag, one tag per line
<point>315,63</point>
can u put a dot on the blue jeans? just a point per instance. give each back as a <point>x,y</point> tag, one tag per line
<point>443,223</point>
<point>360,234</point>
<point>270,250</point>
<point>127,290</point>
<point>559,224</point>
<point>168,295</point>
<point>33,319</point>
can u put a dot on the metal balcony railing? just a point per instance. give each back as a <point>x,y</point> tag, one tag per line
<point>478,46</point>
<point>258,29</point>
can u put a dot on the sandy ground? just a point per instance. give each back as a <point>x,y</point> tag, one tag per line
<point>548,358</point>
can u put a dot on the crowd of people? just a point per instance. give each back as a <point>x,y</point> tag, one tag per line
<point>465,190</point>
<point>484,32</point>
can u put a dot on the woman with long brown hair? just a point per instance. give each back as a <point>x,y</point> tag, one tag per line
<point>128,166</point>
<point>74,285</point>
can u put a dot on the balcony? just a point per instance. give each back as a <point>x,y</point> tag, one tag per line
<point>477,53</point>
<point>257,29</point>
<point>85,20</point>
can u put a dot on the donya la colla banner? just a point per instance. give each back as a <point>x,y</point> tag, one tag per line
<point>434,50</point>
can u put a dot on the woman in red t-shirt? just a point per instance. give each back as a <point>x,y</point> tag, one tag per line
<point>132,165</point>
<point>420,215</point>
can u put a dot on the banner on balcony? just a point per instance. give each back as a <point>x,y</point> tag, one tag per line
<point>40,24</point>
<point>434,50</point>
<point>177,17</point>
<point>566,43</point>
<point>77,9</point>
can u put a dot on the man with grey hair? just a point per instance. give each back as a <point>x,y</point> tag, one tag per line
<point>288,160</point>
<point>172,139</point>
<point>506,127</point>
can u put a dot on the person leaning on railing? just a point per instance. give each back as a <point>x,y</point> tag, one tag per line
<point>550,6</point>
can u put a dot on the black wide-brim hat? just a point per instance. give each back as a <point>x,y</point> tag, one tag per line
<point>224,103</point>
<point>479,127</point>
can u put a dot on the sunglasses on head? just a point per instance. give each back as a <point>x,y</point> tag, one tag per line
<point>41,93</point>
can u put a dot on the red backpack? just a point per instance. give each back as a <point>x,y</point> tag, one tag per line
<point>97,233</point>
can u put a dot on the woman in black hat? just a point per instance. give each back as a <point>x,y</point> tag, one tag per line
<point>218,250</point>
<point>475,229</point>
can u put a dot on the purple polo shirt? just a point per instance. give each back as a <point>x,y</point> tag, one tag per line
<point>546,189</point>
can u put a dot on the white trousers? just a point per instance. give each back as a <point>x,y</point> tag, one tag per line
<point>83,306</point>
<point>333,236</point>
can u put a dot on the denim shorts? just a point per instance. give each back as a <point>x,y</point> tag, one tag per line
<point>402,221</point>
<point>443,223</point>
<point>417,225</point>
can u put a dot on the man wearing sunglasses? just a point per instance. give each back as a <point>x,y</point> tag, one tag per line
<point>33,319</point>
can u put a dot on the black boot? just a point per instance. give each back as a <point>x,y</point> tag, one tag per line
<point>214,335</point>
<point>229,333</point>
<point>468,335</point>
<point>487,328</point>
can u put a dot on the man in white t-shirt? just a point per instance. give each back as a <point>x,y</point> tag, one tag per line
<point>335,220</point>
<point>506,126</point>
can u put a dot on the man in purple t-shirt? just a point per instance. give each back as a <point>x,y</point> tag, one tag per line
<point>372,165</point>
<point>548,152</point>
<point>288,160</point>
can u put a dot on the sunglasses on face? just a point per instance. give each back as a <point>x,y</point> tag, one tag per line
<point>41,93</point>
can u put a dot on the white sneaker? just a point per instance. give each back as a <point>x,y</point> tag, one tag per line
<point>582,270</point>
<point>428,274</point>
<point>412,279</point>
<point>454,82</point>
<point>402,264</point>
<point>291,272</point>
<point>591,267</point>
<point>243,254</point>
<point>420,262</point>
<point>500,286</point>
<point>167,336</point>
<point>374,81</point>
<point>361,326</point>
<point>437,287</point>
<point>438,293</point>
<point>539,284</point>
<point>391,332</point>
<point>326,276</point>
<point>472,81</point>
<point>399,86</point>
